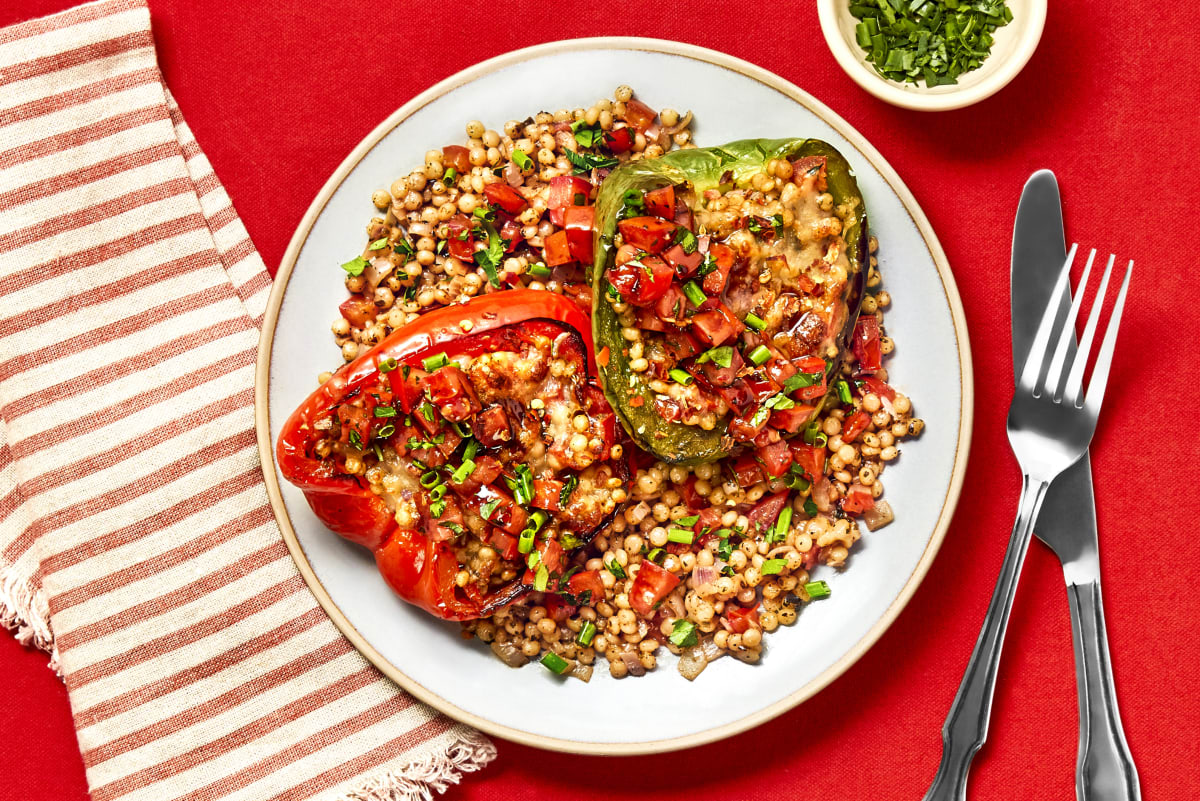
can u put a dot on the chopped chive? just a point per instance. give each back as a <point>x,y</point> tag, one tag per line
<point>555,663</point>
<point>683,633</point>
<point>680,376</point>
<point>387,365</point>
<point>525,543</point>
<point>432,363</point>
<point>539,270</point>
<point>694,293</point>
<point>586,633</point>
<point>541,579</point>
<point>772,567</point>
<point>680,535</point>
<point>385,411</point>
<point>782,523</point>
<point>760,354</point>
<point>754,321</point>
<point>817,589</point>
<point>464,470</point>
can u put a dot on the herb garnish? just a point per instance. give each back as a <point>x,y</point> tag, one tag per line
<point>586,162</point>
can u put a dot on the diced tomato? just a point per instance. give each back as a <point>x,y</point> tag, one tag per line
<point>648,320</point>
<point>760,385</point>
<point>741,619</point>
<point>354,418</point>
<point>858,499</point>
<point>502,195</point>
<point>491,427</point>
<point>643,281</point>
<point>720,376</point>
<point>866,343</point>
<point>685,264</point>
<point>779,368</point>
<point>855,425</point>
<point>451,391</point>
<point>510,232</point>
<point>671,305</point>
<point>619,140</point>
<point>810,165</point>
<point>557,608</point>
<point>547,494</point>
<point>718,325</point>
<point>551,553</point>
<point>714,282</point>
<point>811,458</point>
<point>647,233</point>
<point>740,399</point>
<point>458,157</point>
<point>683,214</point>
<point>586,581</point>
<point>880,388</point>
<point>565,190</point>
<point>766,512</point>
<point>580,223</point>
<point>639,115</point>
<point>558,249</point>
<point>744,428</point>
<point>459,243</point>
<point>682,345</point>
<point>791,420</point>
<point>687,493</point>
<point>776,459</point>
<point>359,311</point>
<point>667,409</point>
<point>504,543</point>
<point>650,586</point>
<point>661,202</point>
<point>747,471</point>
<point>811,364</point>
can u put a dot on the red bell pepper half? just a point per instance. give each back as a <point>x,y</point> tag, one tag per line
<point>422,565</point>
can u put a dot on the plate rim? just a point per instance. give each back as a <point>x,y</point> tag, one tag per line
<point>300,236</point>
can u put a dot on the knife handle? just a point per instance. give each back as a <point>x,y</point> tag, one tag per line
<point>966,726</point>
<point>1105,769</point>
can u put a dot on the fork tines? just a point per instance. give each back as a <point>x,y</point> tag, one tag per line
<point>1070,390</point>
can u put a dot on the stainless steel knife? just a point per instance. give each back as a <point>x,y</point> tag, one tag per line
<point>1067,523</point>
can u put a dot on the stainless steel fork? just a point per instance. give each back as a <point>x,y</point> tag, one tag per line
<point>1050,424</point>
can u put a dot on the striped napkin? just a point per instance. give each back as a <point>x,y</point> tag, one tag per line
<point>137,545</point>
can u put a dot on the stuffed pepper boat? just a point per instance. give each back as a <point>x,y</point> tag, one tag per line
<point>471,451</point>
<point>726,285</point>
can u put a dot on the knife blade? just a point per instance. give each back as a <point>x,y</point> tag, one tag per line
<point>1067,523</point>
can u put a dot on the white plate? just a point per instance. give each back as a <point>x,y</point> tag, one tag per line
<point>732,100</point>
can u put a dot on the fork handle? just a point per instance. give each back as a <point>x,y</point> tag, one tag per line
<point>1105,769</point>
<point>966,726</point>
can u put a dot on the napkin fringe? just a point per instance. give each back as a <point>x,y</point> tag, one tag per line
<point>25,612</point>
<point>429,775</point>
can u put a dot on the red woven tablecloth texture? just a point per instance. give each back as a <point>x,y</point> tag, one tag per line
<point>277,96</point>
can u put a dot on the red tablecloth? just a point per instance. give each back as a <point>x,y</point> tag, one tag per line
<point>277,94</point>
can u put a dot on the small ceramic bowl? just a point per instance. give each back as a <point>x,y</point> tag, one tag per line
<point>1015,43</point>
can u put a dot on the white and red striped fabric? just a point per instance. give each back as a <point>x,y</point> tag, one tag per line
<point>136,541</point>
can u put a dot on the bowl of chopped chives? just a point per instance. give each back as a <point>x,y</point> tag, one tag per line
<point>932,55</point>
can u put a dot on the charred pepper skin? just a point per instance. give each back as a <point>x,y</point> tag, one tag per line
<point>418,569</point>
<point>704,168</point>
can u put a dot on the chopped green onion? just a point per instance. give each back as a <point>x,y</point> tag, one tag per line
<point>680,535</point>
<point>586,634</point>
<point>782,523</point>
<point>450,175</point>
<point>430,479</point>
<point>615,568</point>
<point>387,365</point>
<point>522,487</point>
<point>568,487</point>
<point>754,321</point>
<point>817,589</point>
<point>437,507</point>
<point>525,543</point>
<point>694,293</point>
<point>760,354</point>
<point>435,362</point>
<point>656,556</point>
<point>539,270</point>
<point>814,436</point>
<point>683,633</point>
<point>680,376</point>
<point>521,159</point>
<point>386,431</point>
<point>438,492</point>
<point>772,567</point>
<point>843,391</point>
<point>464,431</point>
<point>797,482</point>
<point>464,470</point>
<point>385,411</point>
<point>722,356</point>
<point>541,579</point>
<point>537,520</point>
<point>555,663</point>
<point>378,244</point>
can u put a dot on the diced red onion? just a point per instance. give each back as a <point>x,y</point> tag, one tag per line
<point>580,671</point>
<point>704,574</point>
<point>886,403</point>
<point>512,174</point>
<point>692,662</point>
<point>820,494</point>
<point>635,666</point>
<point>684,122</point>
<point>702,243</point>
<point>379,269</point>
<point>711,652</point>
<point>509,654</point>
<point>878,515</point>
